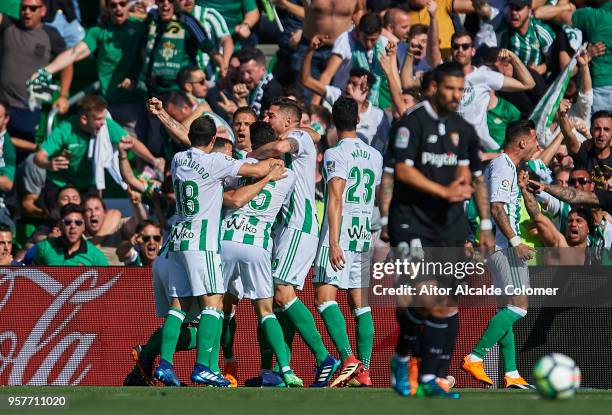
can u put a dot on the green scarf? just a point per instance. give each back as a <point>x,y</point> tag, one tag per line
<point>380,95</point>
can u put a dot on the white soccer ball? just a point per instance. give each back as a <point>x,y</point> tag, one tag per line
<point>556,376</point>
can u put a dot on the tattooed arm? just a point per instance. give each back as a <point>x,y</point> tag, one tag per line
<point>176,130</point>
<point>568,194</point>
<point>547,231</point>
<point>481,197</point>
<point>276,149</point>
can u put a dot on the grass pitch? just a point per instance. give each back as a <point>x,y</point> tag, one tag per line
<point>182,401</point>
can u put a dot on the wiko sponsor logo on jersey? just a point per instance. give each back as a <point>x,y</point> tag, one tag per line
<point>181,232</point>
<point>360,232</point>
<point>240,223</point>
<point>439,160</point>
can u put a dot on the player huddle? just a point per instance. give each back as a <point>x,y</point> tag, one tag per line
<point>248,229</point>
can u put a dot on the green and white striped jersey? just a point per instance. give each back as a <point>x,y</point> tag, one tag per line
<point>361,166</point>
<point>532,47</point>
<point>252,223</point>
<point>240,154</point>
<point>502,184</point>
<point>301,213</point>
<point>215,26</point>
<point>198,179</point>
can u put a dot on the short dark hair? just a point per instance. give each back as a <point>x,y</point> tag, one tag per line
<point>4,103</point>
<point>178,99</point>
<point>345,113</point>
<point>202,131</point>
<point>295,91</point>
<point>600,114</point>
<point>247,54</point>
<point>586,214</point>
<point>91,197</point>
<point>462,33</point>
<point>68,186</point>
<point>418,29</point>
<point>289,107</point>
<point>428,78</point>
<point>370,24</point>
<point>359,72</point>
<point>184,75</point>
<point>321,112</point>
<point>71,208</point>
<point>517,129</point>
<point>244,110</point>
<point>91,103</point>
<point>447,69</point>
<point>489,55</point>
<point>261,133</point>
<point>5,228</point>
<point>147,222</point>
<point>390,16</point>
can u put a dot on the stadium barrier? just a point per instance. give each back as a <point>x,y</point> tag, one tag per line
<point>76,326</point>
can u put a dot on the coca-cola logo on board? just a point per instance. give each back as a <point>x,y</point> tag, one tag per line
<point>65,363</point>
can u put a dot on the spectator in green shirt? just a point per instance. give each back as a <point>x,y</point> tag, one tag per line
<point>70,249</point>
<point>7,164</point>
<point>117,43</point>
<point>596,23</point>
<point>500,113</point>
<point>241,16</point>
<point>66,153</point>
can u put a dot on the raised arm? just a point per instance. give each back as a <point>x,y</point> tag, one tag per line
<point>571,141</point>
<point>524,79</point>
<point>176,130</point>
<point>306,77</point>
<point>568,194</point>
<point>548,233</point>
<point>388,62</point>
<point>433,54</point>
<point>126,169</point>
<point>549,152</point>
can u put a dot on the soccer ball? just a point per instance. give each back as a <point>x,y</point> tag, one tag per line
<point>556,376</point>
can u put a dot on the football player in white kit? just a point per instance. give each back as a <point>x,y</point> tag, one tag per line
<point>352,171</point>
<point>508,264</point>
<point>295,242</point>
<point>193,246</point>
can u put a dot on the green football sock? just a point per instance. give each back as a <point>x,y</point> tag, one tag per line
<point>288,329</point>
<point>265,351</point>
<point>170,333</point>
<point>364,333</point>
<point>274,334</point>
<point>508,350</point>
<point>497,327</point>
<point>207,333</point>
<point>227,336</point>
<point>302,320</point>
<point>336,327</point>
<point>214,355</point>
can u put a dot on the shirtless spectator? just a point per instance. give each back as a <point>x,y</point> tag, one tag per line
<point>107,229</point>
<point>332,17</point>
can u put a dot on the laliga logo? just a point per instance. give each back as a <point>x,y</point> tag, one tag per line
<point>80,291</point>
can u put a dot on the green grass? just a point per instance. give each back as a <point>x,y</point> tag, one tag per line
<point>184,401</point>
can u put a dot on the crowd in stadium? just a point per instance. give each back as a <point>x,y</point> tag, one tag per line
<point>163,66</point>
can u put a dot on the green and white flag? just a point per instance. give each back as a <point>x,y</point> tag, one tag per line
<point>10,8</point>
<point>545,111</point>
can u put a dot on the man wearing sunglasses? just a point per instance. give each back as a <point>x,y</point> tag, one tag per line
<point>142,248</point>
<point>117,43</point>
<point>26,45</point>
<point>70,249</point>
<point>192,81</point>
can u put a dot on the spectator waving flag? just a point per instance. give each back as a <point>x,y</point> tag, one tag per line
<point>545,111</point>
<point>10,8</point>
